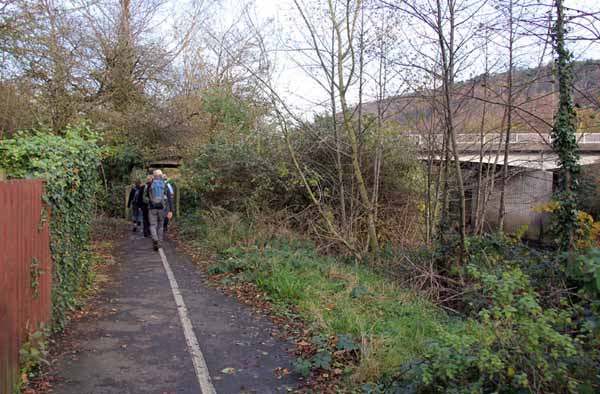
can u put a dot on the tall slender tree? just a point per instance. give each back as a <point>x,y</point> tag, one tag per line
<point>564,141</point>
<point>508,111</point>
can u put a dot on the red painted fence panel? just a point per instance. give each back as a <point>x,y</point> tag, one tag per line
<point>25,271</point>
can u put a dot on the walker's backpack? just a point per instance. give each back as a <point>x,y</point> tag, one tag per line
<point>157,194</point>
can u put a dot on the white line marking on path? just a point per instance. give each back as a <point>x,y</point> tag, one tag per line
<point>206,386</point>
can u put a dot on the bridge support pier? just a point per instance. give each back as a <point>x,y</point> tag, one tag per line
<point>525,190</point>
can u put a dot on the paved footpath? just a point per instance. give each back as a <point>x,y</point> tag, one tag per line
<point>139,344</point>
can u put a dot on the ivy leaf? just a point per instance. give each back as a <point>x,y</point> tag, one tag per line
<point>321,360</point>
<point>320,341</point>
<point>302,367</point>
<point>345,342</point>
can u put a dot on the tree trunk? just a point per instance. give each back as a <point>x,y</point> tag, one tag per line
<point>509,112</point>
<point>338,143</point>
<point>447,54</point>
<point>352,135</point>
<point>564,141</point>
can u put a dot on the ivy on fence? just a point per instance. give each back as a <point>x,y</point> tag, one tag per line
<point>68,165</point>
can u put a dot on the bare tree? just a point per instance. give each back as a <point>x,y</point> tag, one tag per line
<point>447,48</point>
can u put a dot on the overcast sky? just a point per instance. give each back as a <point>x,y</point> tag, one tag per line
<point>298,88</point>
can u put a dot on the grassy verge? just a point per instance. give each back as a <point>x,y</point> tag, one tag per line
<point>389,325</point>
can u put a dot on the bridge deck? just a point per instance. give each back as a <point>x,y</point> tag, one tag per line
<point>520,141</point>
<point>527,150</point>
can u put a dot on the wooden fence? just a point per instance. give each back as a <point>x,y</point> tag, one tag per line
<point>25,271</point>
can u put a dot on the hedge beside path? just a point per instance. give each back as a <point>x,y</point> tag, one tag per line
<point>68,163</point>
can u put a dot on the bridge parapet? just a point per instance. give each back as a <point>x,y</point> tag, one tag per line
<point>515,138</point>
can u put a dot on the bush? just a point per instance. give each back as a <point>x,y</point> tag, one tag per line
<point>543,267</point>
<point>519,346</point>
<point>585,275</point>
<point>586,271</point>
<point>235,177</point>
<point>533,333</point>
<point>118,160</point>
<point>68,164</point>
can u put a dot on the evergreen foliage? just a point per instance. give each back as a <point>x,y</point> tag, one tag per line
<point>68,164</point>
<point>235,177</point>
<point>564,141</point>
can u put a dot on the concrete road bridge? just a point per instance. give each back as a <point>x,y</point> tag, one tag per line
<point>526,150</point>
<point>532,165</point>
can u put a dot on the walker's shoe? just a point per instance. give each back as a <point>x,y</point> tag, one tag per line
<point>155,245</point>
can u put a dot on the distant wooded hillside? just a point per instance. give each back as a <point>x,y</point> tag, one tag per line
<point>481,102</point>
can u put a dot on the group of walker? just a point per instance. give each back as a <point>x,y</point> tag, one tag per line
<point>152,206</point>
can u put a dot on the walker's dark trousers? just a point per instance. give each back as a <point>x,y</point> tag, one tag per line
<point>145,213</point>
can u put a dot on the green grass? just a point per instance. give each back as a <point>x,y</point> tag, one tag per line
<point>391,324</point>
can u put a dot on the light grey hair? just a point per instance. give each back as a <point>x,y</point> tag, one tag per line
<point>157,174</point>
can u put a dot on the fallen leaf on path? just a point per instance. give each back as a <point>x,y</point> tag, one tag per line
<point>228,371</point>
<point>282,372</point>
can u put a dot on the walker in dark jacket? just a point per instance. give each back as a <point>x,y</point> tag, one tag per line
<point>133,202</point>
<point>144,208</point>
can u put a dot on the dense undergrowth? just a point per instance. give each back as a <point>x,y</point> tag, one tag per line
<point>537,313</point>
<point>513,335</point>
<point>391,326</point>
<point>490,315</point>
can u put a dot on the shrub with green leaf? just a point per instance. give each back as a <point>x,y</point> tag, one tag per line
<point>515,346</point>
<point>586,270</point>
<point>33,354</point>
<point>68,165</point>
<point>543,267</point>
<point>119,158</point>
<point>234,176</point>
<point>368,314</point>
